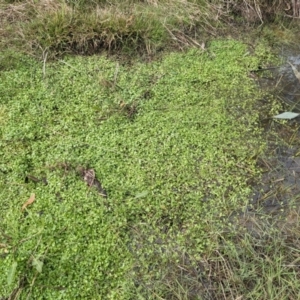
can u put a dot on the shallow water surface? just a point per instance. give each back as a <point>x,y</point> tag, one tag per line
<point>288,83</point>
<point>280,184</point>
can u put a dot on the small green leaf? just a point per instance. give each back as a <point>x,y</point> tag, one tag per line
<point>37,264</point>
<point>141,195</point>
<point>11,273</point>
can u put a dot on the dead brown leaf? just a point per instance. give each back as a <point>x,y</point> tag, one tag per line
<point>89,176</point>
<point>29,201</point>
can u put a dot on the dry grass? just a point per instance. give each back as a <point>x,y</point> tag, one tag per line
<point>60,27</point>
<point>261,11</point>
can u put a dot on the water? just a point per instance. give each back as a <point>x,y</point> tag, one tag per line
<point>288,84</point>
<point>280,184</point>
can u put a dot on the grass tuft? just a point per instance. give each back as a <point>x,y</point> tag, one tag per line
<point>144,28</point>
<point>68,27</point>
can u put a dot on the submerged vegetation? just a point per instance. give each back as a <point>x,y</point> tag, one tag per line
<point>126,179</point>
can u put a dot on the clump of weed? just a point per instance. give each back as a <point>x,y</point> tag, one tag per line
<point>145,28</point>
<point>67,27</point>
<point>256,259</point>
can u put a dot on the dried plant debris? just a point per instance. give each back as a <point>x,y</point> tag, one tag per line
<point>29,201</point>
<point>89,177</point>
<point>29,178</point>
<point>296,72</point>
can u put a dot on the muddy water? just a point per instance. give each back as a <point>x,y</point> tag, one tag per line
<point>280,185</point>
<point>289,84</point>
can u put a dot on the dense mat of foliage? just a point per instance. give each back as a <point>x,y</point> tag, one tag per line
<point>173,143</point>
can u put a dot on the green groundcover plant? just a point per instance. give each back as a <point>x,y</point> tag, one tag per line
<point>173,143</point>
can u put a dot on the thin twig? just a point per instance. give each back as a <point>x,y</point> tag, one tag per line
<point>45,54</point>
<point>116,74</point>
